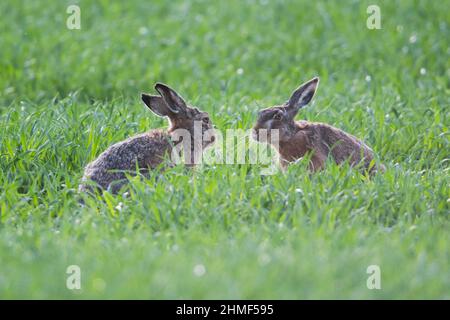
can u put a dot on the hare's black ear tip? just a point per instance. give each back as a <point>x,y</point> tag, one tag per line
<point>159,85</point>
<point>315,79</point>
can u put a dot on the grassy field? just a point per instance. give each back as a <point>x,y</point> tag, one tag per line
<point>224,231</point>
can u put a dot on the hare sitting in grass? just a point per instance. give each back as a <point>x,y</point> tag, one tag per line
<point>299,138</point>
<point>147,151</point>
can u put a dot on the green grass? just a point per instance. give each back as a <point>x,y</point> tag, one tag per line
<point>66,95</point>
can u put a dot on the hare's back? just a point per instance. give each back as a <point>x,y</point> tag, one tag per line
<point>144,149</point>
<point>342,145</point>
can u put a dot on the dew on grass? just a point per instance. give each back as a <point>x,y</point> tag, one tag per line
<point>30,62</point>
<point>9,90</point>
<point>413,38</point>
<point>119,207</point>
<point>143,31</point>
<point>199,270</point>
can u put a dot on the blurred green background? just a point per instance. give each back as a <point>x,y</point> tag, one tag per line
<point>224,231</point>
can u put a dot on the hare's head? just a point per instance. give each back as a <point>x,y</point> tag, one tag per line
<point>281,117</point>
<point>182,117</point>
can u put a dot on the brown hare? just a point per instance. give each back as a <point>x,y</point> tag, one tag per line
<point>148,150</point>
<point>299,138</point>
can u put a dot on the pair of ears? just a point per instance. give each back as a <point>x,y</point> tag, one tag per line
<point>168,103</point>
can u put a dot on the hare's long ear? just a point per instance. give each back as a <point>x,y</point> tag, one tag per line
<point>302,96</point>
<point>173,100</point>
<point>156,104</point>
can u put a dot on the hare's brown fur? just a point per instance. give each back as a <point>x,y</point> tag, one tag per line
<point>319,140</point>
<point>147,151</point>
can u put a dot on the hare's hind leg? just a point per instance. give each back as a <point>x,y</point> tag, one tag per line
<point>317,162</point>
<point>378,168</point>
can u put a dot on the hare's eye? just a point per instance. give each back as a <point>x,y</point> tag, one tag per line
<point>205,119</point>
<point>277,116</point>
